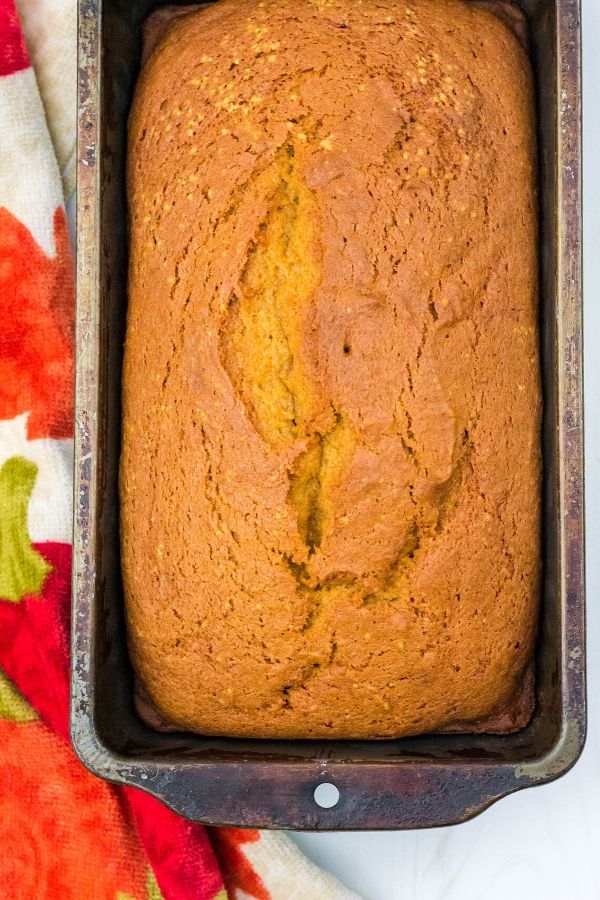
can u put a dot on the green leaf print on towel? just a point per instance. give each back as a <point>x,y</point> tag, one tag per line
<point>22,569</point>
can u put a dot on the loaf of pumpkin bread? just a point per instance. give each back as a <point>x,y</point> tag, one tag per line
<point>330,474</point>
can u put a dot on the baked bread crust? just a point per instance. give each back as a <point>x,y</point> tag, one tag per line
<point>330,473</point>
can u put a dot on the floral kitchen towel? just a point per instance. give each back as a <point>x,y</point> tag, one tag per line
<point>63,832</point>
<point>50,30</point>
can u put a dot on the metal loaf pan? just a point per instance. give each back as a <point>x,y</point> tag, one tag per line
<point>416,782</point>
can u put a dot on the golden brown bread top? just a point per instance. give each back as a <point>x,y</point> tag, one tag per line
<point>331,462</point>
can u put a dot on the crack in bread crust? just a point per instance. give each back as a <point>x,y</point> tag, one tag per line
<point>262,334</point>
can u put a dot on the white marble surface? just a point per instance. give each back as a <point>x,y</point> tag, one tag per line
<point>540,844</point>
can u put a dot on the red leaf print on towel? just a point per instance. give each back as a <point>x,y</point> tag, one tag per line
<point>178,851</point>
<point>13,52</point>
<point>238,874</point>
<point>36,316</point>
<point>34,641</point>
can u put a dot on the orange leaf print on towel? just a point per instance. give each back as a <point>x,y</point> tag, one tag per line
<point>60,826</point>
<point>36,320</point>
